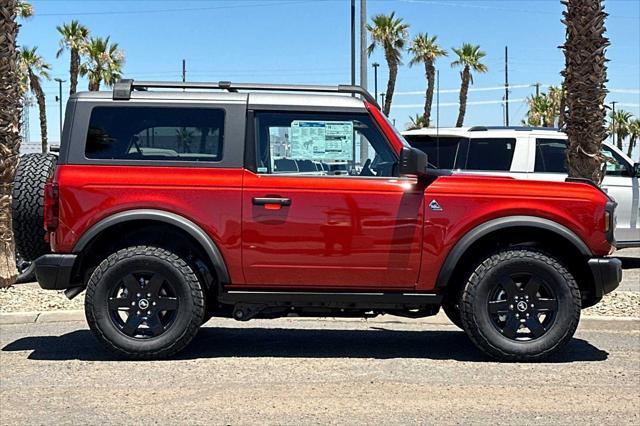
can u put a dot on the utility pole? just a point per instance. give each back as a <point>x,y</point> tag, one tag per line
<point>364,148</point>
<point>613,121</point>
<point>353,43</point>
<point>537,89</point>
<point>184,70</point>
<point>375,66</point>
<point>506,85</point>
<point>59,99</point>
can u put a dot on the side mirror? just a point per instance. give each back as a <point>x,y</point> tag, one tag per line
<point>636,170</point>
<point>413,162</point>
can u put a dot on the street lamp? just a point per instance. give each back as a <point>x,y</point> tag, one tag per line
<point>375,66</point>
<point>59,99</point>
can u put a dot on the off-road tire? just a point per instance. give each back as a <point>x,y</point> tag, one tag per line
<point>476,319</point>
<point>190,312</point>
<point>28,204</point>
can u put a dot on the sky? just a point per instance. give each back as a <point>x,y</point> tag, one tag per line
<point>308,41</point>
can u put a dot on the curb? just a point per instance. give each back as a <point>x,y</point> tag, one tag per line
<point>78,315</point>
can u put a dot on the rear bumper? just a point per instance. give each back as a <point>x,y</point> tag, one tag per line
<point>54,271</point>
<point>607,274</point>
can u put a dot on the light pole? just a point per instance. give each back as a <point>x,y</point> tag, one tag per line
<point>382,100</point>
<point>59,99</point>
<point>375,66</point>
<point>613,121</point>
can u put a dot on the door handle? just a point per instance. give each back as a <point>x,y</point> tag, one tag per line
<point>263,201</point>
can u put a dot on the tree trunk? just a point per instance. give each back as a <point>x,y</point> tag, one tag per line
<point>464,89</point>
<point>94,86</point>
<point>74,67</point>
<point>585,75</point>
<point>391,83</point>
<point>619,137</point>
<point>10,112</point>
<point>632,144</point>
<point>431,77</point>
<point>37,90</point>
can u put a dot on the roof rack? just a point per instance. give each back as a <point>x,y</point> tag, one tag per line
<point>122,89</point>
<point>516,128</point>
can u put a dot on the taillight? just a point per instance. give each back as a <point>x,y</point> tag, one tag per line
<point>51,206</point>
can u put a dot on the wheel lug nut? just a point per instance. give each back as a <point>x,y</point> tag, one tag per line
<point>148,294</point>
<point>149,313</point>
<point>138,295</point>
<point>511,307</point>
<point>138,313</point>
<point>154,303</point>
<point>133,303</point>
<point>517,315</point>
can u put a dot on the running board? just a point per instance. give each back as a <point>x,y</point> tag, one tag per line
<point>331,299</point>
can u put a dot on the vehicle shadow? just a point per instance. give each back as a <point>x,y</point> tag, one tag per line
<point>630,262</point>
<point>378,343</point>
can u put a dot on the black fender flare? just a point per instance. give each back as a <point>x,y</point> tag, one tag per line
<point>449,265</point>
<point>176,220</point>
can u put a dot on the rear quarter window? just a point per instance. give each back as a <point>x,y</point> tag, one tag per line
<point>155,133</point>
<point>494,154</point>
<point>550,155</point>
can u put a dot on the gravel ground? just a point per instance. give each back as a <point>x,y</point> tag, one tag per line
<point>30,297</point>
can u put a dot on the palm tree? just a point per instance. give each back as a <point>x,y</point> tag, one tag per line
<point>469,57</point>
<point>10,113</point>
<point>417,122</point>
<point>426,50</point>
<point>33,69</point>
<point>585,75</point>
<point>619,124</point>
<point>634,134</point>
<point>390,33</point>
<point>74,37</point>
<point>541,111</point>
<point>103,63</point>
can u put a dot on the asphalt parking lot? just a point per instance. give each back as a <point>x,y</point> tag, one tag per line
<point>298,371</point>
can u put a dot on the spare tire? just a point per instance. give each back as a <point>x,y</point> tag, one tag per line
<point>28,204</point>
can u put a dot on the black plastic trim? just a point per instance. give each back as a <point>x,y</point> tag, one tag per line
<point>54,271</point>
<point>331,299</point>
<point>486,228</point>
<point>607,274</point>
<point>161,216</point>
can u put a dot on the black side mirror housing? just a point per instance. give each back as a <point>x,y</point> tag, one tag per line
<point>636,170</point>
<point>413,162</point>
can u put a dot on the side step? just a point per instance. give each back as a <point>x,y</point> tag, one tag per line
<point>249,304</point>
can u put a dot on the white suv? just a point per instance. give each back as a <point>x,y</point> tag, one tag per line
<point>531,153</point>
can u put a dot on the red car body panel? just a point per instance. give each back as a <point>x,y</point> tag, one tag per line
<point>347,233</point>
<point>338,232</point>
<point>209,197</point>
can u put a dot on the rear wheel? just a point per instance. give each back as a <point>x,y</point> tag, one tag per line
<point>520,305</point>
<point>144,303</point>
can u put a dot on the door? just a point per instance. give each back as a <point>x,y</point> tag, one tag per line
<point>618,182</point>
<point>324,207</point>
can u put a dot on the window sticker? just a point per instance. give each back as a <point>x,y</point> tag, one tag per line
<point>321,140</point>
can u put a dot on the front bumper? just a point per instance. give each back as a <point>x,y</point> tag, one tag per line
<point>607,274</point>
<point>54,271</point>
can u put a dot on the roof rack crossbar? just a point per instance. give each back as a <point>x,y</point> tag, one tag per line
<point>122,89</point>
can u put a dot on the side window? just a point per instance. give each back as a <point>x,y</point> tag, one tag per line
<point>616,165</point>
<point>550,156</point>
<point>155,133</point>
<point>490,154</point>
<point>320,144</point>
<point>442,152</point>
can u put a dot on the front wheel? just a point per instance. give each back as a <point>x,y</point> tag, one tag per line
<point>144,303</point>
<point>520,305</point>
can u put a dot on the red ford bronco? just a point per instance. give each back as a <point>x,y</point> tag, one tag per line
<point>260,201</point>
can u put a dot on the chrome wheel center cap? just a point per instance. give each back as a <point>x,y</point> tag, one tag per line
<point>522,306</point>
<point>143,304</point>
